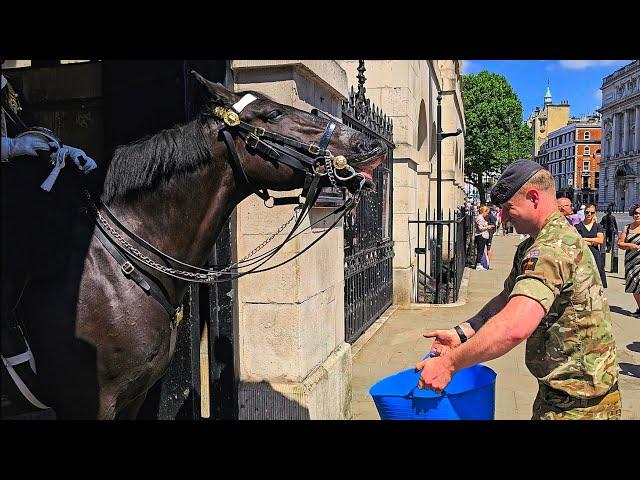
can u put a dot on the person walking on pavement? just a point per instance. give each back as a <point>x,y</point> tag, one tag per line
<point>553,297</point>
<point>610,226</point>
<point>592,233</point>
<point>481,234</point>
<point>630,241</point>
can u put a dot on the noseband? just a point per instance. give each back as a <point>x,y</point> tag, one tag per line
<point>314,160</point>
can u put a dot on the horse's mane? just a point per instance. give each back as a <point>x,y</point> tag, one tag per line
<point>141,164</point>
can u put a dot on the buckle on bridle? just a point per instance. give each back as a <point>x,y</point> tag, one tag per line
<point>252,137</point>
<point>314,149</point>
<point>127,267</point>
<point>258,131</point>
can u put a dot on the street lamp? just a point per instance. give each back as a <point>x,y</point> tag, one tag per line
<point>440,136</point>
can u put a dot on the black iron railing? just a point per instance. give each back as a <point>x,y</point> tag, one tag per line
<point>368,248</point>
<point>457,250</point>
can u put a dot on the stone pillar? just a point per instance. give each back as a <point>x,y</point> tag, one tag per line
<point>625,132</point>
<point>614,135</point>
<point>293,360</point>
<point>637,139</point>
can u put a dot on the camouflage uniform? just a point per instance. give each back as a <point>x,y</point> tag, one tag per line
<point>572,352</point>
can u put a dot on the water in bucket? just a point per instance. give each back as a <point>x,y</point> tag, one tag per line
<point>469,396</point>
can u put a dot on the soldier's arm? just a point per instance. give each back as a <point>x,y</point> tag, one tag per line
<point>545,271</point>
<point>504,331</point>
<point>447,339</point>
<point>493,306</point>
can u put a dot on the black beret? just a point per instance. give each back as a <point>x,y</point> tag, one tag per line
<point>514,177</point>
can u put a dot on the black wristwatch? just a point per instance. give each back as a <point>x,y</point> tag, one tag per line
<point>463,337</point>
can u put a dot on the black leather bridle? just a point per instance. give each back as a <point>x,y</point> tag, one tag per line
<point>314,160</point>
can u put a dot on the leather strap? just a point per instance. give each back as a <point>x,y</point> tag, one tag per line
<point>131,272</point>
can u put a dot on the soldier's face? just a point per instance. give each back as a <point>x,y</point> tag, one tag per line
<point>520,212</point>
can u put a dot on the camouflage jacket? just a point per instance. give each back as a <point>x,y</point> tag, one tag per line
<point>572,349</point>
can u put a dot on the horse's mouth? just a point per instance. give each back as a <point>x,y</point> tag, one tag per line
<point>367,166</point>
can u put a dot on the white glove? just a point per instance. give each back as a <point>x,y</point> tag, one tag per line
<point>23,145</point>
<point>83,161</point>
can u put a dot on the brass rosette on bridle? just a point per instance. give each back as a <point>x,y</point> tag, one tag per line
<point>340,162</point>
<point>229,117</point>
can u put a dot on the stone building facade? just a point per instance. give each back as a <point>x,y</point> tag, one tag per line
<point>620,168</point>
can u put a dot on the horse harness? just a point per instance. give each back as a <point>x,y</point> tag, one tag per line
<point>314,160</point>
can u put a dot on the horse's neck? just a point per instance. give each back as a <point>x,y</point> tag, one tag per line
<point>184,217</point>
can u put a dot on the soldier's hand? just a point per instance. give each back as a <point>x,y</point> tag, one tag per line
<point>27,145</point>
<point>83,161</point>
<point>445,340</point>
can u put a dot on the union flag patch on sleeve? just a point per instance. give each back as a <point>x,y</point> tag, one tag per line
<point>530,263</point>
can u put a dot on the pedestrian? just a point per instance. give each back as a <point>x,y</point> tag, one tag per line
<point>593,233</point>
<point>481,236</point>
<point>630,241</point>
<point>580,212</point>
<point>564,206</point>
<point>499,223</point>
<point>610,226</point>
<point>553,297</point>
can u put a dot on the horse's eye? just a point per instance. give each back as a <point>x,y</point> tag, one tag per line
<point>274,115</point>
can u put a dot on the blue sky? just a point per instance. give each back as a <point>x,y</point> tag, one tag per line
<point>577,81</point>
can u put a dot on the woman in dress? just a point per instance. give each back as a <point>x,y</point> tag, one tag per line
<point>630,241</point>
<point>593,234</point>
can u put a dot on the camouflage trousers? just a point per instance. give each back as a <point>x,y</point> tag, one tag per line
<point>554,405</point>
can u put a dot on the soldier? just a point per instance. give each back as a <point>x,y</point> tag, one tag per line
<point>24,216</point>
<point>553,297</point>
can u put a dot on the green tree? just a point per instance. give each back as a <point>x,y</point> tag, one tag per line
<point>496,134</point>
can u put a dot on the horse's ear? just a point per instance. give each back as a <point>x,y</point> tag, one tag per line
<point>215,91</point>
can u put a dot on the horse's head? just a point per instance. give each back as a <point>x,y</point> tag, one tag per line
<point>303,142</point>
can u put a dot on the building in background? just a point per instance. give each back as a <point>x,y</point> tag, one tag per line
<point>548,119</point>
<point>620,181</point>
<point>572,155</point>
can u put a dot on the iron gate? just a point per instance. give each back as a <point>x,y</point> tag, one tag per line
<point>368,248</point>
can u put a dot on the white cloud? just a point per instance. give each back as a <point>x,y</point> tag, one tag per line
<point>582,64</point>
<point>598,95</point>
<point>466,66</point>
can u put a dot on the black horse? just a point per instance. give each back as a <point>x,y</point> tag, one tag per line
<point>100,342</point>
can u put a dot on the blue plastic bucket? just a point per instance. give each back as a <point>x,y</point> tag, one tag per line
<point>470,395</point>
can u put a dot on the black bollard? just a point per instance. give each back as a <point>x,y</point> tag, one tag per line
<point>614,253</point>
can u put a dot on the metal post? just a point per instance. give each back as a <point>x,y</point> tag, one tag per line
<point>440,136</point>
<point>614,253</point>
<point>438,200</point>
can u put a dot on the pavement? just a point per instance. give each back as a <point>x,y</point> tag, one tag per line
<point>395,341</point>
